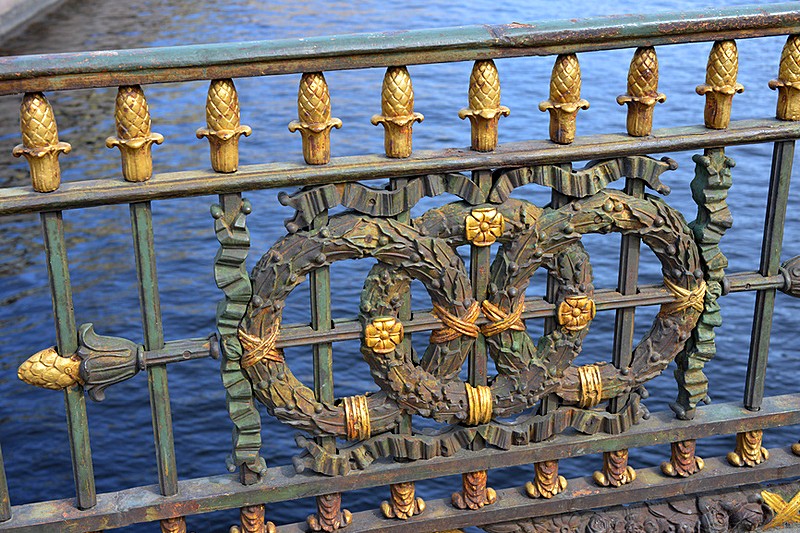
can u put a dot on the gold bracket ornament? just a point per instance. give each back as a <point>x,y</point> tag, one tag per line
<point>796,448</point>
<point>314,120</point>
<point>749,451</point>
<point>173,525</point>
<point>785,513</point>
<point>474,494</point>
<point>134,136</point>
<point>484,225</point>
<point>330,515</point>
<point>383,334</point>
<point>252,521</point>
<point>788,82</point>
<point>484,109</point>
<point>397,106</point>
<point>576,312</point>
<point>683,462</point>
<point>546,483</point>
<point>720,85</point>
<point>616,471</point>
<point>404,504</point>
<point>643,92</point>
<point>40,144</point>
<point>224,128</point>
<point>565,98</point>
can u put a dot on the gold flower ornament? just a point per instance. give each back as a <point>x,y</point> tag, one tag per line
<point>484,226</point>
<point>383,334</point>
<point>575,312</point>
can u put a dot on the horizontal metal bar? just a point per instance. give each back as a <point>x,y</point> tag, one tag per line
<point>581,494</point>
<point>282,483</point>
<point>76,194</point>
<point>259,58</point>
<point>183,350</point>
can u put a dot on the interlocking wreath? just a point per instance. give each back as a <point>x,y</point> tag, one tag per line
<point>425,250</point>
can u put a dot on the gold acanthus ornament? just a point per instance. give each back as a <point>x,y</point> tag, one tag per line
<point>134,136</point>
<point>383,334</point>
<point>484,225</point>
<point>398,116</point>
<point>575,312</point>
<point>484,109</point>
<point>788,82</point>
<point>748,451</point>
<point>223,125</point>
<point>314,121</point>
<point>40,144</point>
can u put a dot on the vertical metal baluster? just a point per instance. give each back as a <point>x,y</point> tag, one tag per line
<point>546,481</point>
<point>41,147</point>
<point>616,471</point>
<point>5,501</point>
<point>475,493</point>
<point>403,502</point>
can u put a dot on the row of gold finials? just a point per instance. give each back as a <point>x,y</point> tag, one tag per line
<point>40,144</point>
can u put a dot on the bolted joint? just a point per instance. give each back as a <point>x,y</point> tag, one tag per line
<point>720,85</point>
<point>223,127</point>
<point>788,82</point>
<point>565,99</point>
<point>314,120</point>
<point>642,94</point>
<point>40,144</point>
<point>484,109</point>
<point>398,116</point>
<point>134,136</point>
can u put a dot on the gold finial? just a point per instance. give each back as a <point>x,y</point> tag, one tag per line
<point>749,451</point>
<point>788,82</point>
<point>616,471</point>
<point>484,109</point>
<point>682,462</point>
<point>134,138</point>
<point>565,98</point>
<point>383,334</point>
<point>576,312</point>
<point>252,521</point>
<point>49,370</point>
<point>720,85</point>
<point>404,503</point>
<point>314,118</point>
<point>397,106</point>
<point>223,125</point>
<point>40,144</point>
<point>484,225</point>
<point>642,91</point>
<point>546,482</point>
<point>479,404</point>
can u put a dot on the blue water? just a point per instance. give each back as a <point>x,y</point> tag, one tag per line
<point>32,421</point>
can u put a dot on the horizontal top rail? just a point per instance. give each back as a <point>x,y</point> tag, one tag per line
<point>61,71</point>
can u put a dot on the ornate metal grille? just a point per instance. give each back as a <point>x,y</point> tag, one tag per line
<point>477,312</point>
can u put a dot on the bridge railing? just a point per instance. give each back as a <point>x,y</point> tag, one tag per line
<point>477,311</point>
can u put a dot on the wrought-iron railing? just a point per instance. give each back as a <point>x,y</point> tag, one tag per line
<point>478,312</point>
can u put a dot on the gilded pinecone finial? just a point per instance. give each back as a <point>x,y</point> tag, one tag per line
<point>40,144</point>
<point>643,92</point>
<point>134,137</point>
<point>49,370</point>
<point>314,118</point>
<point>223,125</point>
<point>397,106</point>
<point>720,85</point>
<point>788,82</point>
<point>565,98</point>
<point>484,109</point>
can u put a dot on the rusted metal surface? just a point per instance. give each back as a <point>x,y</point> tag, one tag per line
<point>71,195</point>
<point>260,58</point>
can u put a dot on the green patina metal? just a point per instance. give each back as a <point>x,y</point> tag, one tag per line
<point>562,410</point>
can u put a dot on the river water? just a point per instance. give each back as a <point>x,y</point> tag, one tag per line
<point>32,421</point>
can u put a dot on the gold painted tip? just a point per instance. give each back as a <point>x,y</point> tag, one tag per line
<point>48,370</point>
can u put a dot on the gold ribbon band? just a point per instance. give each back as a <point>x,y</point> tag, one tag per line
<point>479,404</point>
<point>591,386</point>
<point>684,298</point>
<point>499,320</point>
<point>356,417</point>
<point>257,349</point>
<point>455,326</point>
